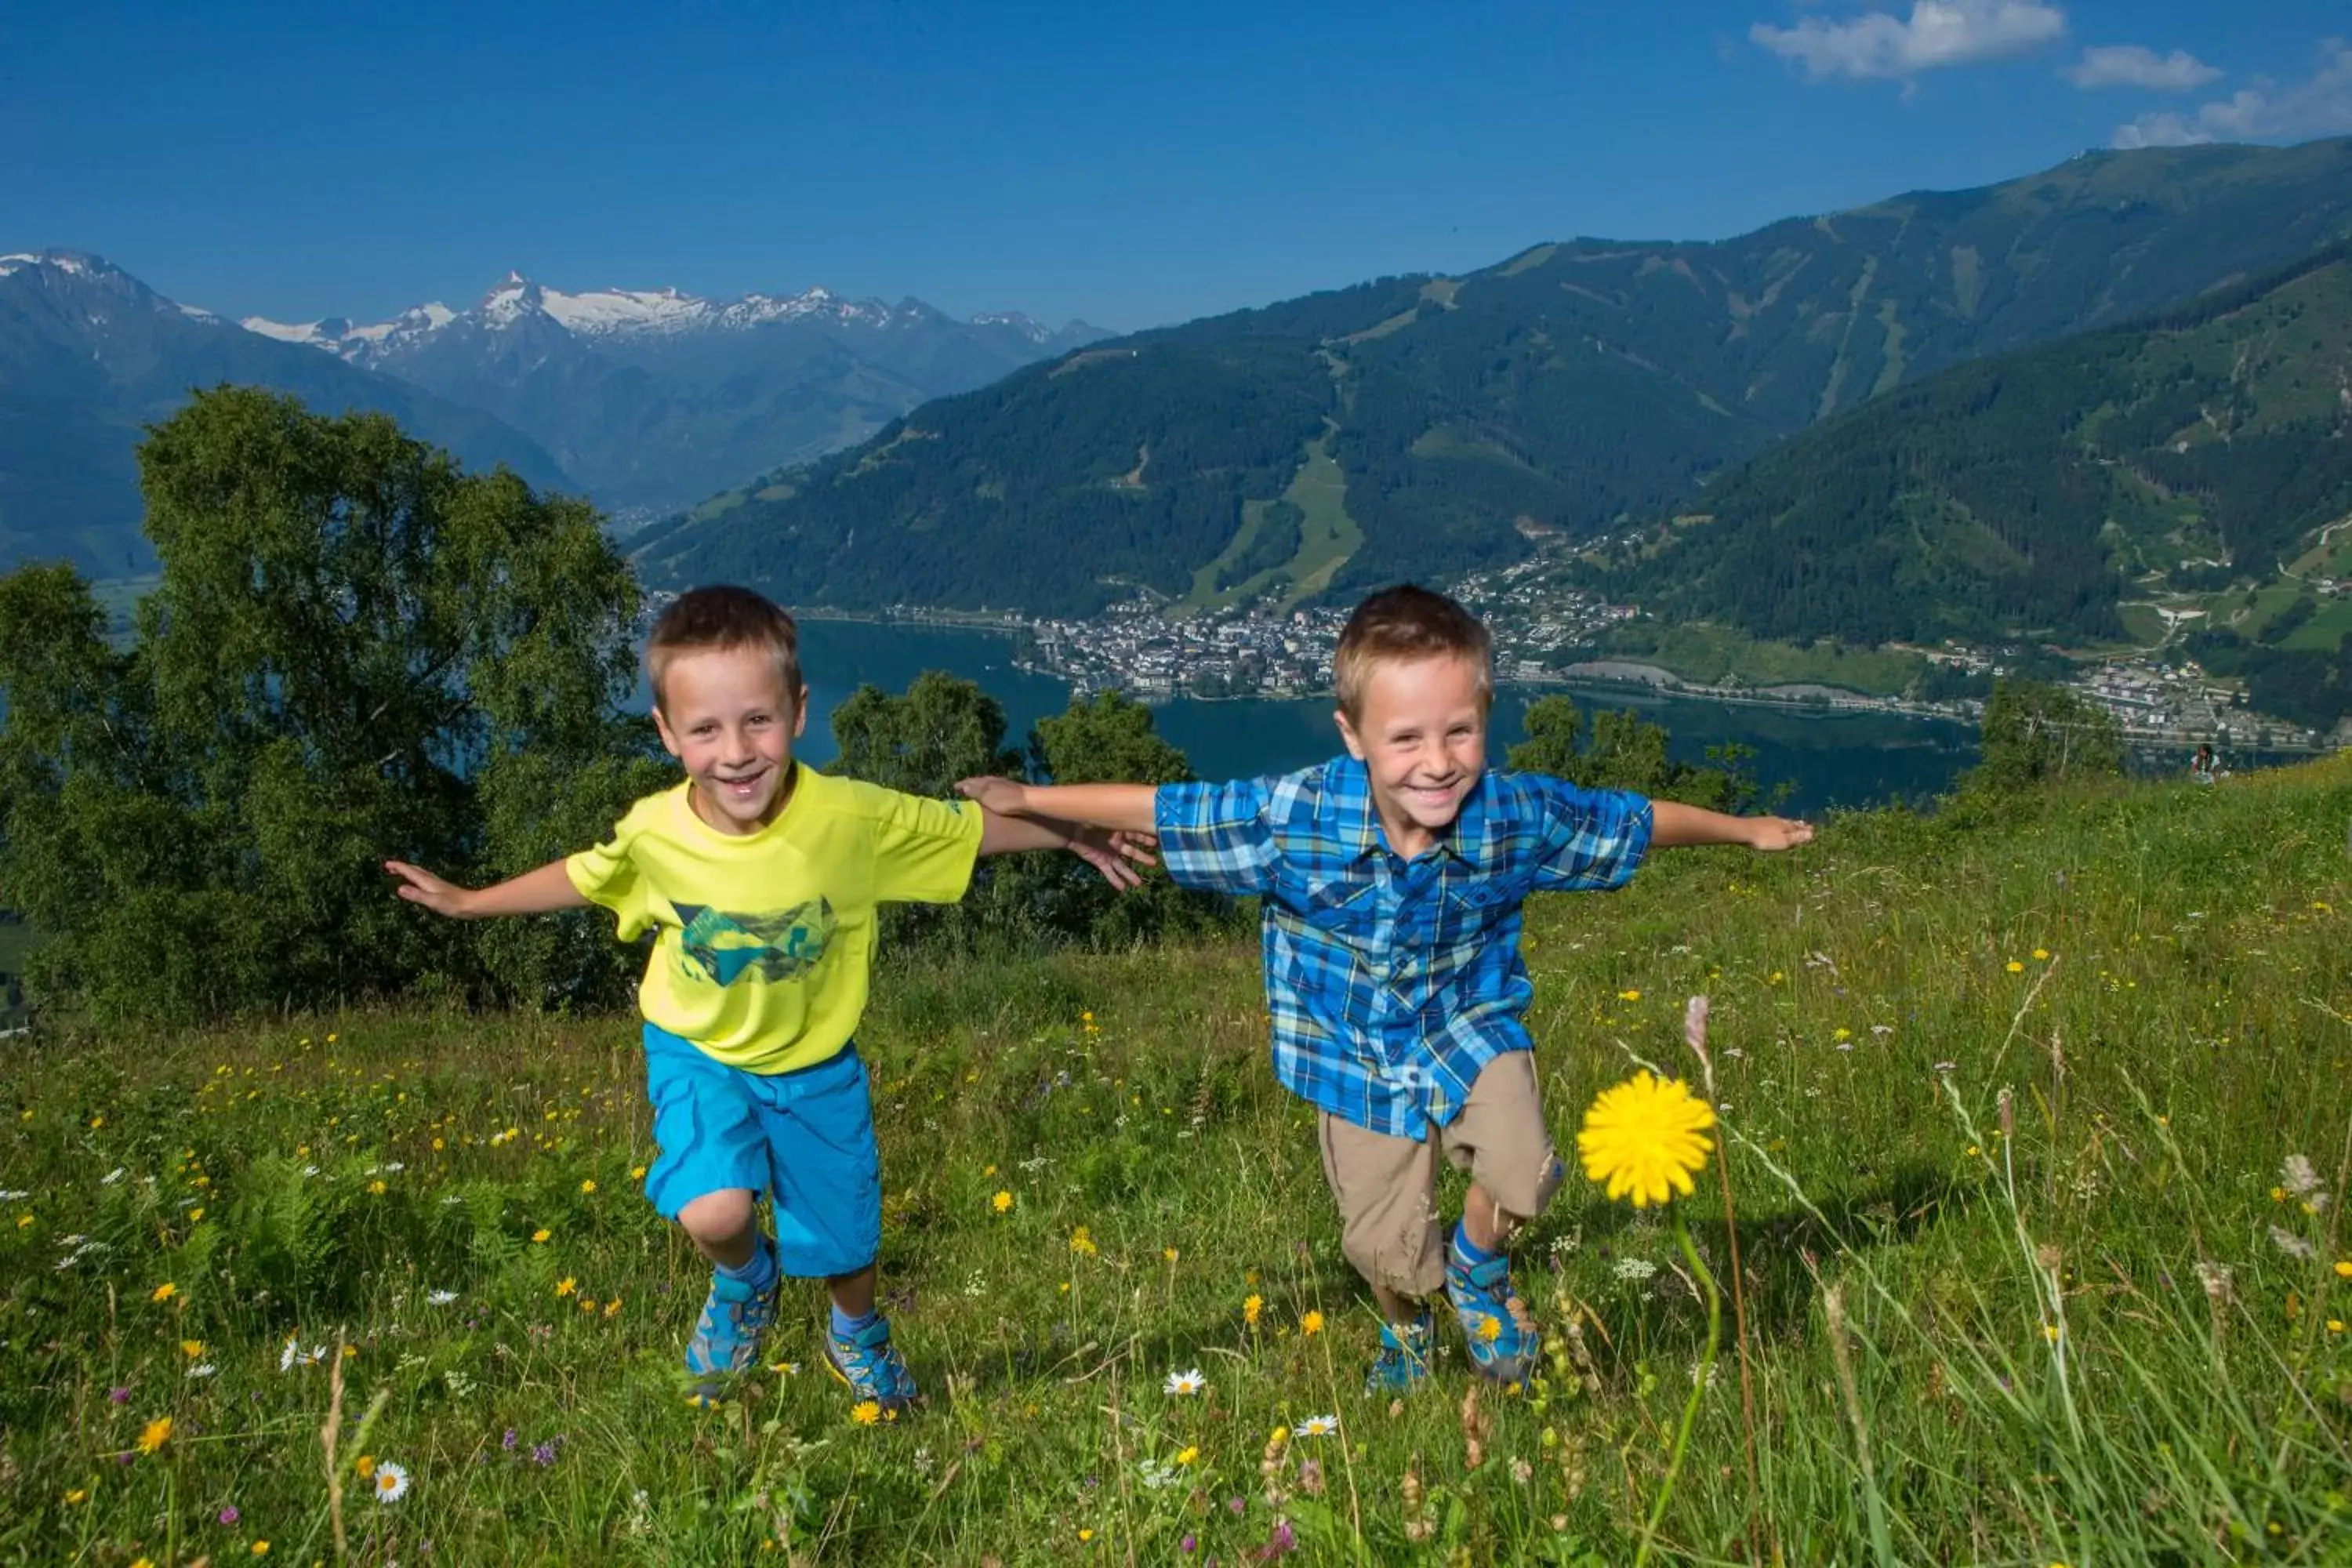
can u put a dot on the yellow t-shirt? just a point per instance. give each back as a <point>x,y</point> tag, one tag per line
<point>767,938</point>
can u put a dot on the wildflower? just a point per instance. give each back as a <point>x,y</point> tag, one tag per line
<point>1521,1471</point>
<point>565,1286</point>
<point>1316,1426</point>
<point>2015,967</point>
<point>229,1514</point>
<point>203,1369</point>
<point>2344,1268</point>
<point>2335,1325</point>
<point>865,1412</point>
<point>1251,1307</point>
<point>2300,1179</point>
<point>612,1308</point>
<point>1082,1243</point>
<point>158,1433</point>
<point>365,1466</point>
<point>77,1497</point>
<point>391,1482</point>
<point>2042,955</point>
<point>261,1549</point>
<point>164,1292</point>
<point>1084,1535</point>
<point>1311,1323</point>
<point>538,1237</point>
<point>2287,1241</point>
<point>2215,1278</point>
<point>1188,1455</point>
<point>542,1454</point>
<point>377,1187</point>
<point>1002,1202</point>
<point>1644,1138</point>
<point>1184,1384</point>
<point>194,1215</point>
<point>442,1297</point>
<point>786,1368</point>
<point>1167,1253</point>
<point>192,1349</point>
<point>1628,996</point>
<point>588,1186</point>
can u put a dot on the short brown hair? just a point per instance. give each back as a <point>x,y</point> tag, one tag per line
<point>721,619</point>
<point>1400,625</point>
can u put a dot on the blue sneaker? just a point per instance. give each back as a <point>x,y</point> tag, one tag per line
<point>1502,1333</point>
<point>726,1339</point>
<point>870,1365</point>
<point>1403,1362</point>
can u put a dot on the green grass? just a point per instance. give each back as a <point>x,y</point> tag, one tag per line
<point>1328,537</point>
<point>1708,654</point>
<point>1878,997</point>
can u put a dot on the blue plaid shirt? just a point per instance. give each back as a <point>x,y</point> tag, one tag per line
<point>1392,982</point>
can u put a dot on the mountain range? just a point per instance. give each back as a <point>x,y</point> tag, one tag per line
<point>651,399</point>
<point>645,401</point>
<point>1425,427</point>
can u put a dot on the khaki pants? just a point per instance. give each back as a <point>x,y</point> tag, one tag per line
<point>1387,1187</point>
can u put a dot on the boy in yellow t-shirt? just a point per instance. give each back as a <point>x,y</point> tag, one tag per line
<point>762,879</point>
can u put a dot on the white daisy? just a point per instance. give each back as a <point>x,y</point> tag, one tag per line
<point>1316,1426</point>
<point>287,1353</point>
<point>391,1482</point>
<point>203,1369</point>
<point>1183,1385</point>
<point>442,1297</point>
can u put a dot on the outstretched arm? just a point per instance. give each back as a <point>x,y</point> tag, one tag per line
<point>1107,852</point>
<point>532,893</point>
<point>1677,825</point>
<point>1122,808</point>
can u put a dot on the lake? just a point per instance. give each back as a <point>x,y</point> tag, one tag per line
<point>1827,758</point>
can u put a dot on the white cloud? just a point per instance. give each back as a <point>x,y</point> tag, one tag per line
<point>1938,33</point>
<point>2130,65</point>
<point>2263,112</point>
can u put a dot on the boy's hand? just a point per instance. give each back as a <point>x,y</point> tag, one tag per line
<point>419,886</point>
<point>1006,797</point>
<point>1774,833</point>
<point>1110,853</point>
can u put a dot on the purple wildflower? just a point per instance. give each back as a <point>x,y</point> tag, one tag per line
<point>1187,1545</point>
<point>1236,1507</point>
<point>544,1454</point>
<point>508,1441</point>
<point>118,1395</point>
<point>229,1514</point>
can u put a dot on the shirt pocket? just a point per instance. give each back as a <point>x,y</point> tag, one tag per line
<point>1345,906</point>
<point>1468,911</point>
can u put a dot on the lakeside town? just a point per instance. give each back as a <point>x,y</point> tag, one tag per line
<point>1143,647</point>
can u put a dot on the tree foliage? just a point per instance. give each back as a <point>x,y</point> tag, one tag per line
<point>356,651</point>
<point>943,728</point>
<point>2034,734</point>
<point>1624,751</point>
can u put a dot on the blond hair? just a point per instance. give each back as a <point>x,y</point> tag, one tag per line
<point>1402,625</point>
<point>723,619</point>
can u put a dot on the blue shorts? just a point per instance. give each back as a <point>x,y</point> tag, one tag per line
<point>805,1139</point>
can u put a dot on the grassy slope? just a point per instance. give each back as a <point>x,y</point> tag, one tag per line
<point>2191,1029</point>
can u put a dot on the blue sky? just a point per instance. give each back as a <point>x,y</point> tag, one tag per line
<point>1131,164</point>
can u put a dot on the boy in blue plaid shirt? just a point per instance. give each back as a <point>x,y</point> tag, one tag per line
<point>1392,880</point>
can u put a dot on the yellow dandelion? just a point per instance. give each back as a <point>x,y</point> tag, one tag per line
<point>2344,1268</point>
<point>1168,1253</point>
<point>366,1468</point>
<point>1188,1455</point>
<point>565,1286</point>
<point>2015,967</point>
<point>1085,1536</point>
<point>377,1187</point>
<point>636,1172</point>
<point>1312,1323</point>
<point>865,1412</point>
<point>539,1237</point>
<point>192,1349</point>
<point>1251,1308</point>
<point>261,1549</point>
<point>164,1292</point>
<point>195,1214</point>
<point>1083,1243</point>
<point>1002,1202</point>
<point>1628,996</point>
<point>2041,955</point>
<point>77,1497</point>
<point>158,1433</point>
<point>612,1308</point>
<point>588,1186</point>
<point>1644,1138</point>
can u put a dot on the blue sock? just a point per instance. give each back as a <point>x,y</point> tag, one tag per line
<point>845,1325</point>
<point>1468,1253</point>
<point>759,1273</point>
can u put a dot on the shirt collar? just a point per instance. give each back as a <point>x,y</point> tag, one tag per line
<point>1358,823</point>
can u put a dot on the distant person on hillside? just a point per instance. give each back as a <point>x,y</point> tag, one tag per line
<point>761,879</point>
<point>2201,766</point>
<point>1392,878</point>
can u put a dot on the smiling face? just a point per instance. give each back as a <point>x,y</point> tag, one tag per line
<point>725,714</point>
<point>1421,734</point>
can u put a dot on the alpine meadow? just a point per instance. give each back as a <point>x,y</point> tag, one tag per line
<point>1622,840</point>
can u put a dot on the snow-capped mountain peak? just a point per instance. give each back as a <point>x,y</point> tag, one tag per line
<point>84,276</point>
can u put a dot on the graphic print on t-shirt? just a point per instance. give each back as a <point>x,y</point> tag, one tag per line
<point>776,945</point>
